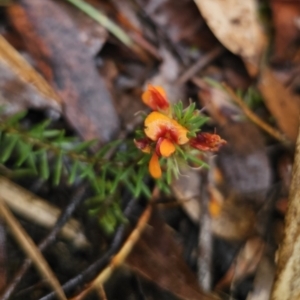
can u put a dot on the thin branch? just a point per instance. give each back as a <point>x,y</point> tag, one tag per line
<point>205,239</point>
<point>254,118</point>
<point>203,61</point>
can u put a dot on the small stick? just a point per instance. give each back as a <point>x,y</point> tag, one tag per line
<point>205,239</point>
<point>254,118</point>
<point>200,64</point>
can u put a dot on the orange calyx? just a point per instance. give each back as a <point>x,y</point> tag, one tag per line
<point>158,125</point>
<point>155,98</point>
<point>207,142</point>
<point>164,147</point>
<point>154,166</point>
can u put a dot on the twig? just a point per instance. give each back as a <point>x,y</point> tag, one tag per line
<point>120,257</point>
<point>254,118</point>
<point>200,64</point>
<point>205,239</point>
<point>76,200</point>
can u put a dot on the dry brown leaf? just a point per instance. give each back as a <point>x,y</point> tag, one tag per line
<point>20,84</point>
<point>180,22</point>
<point>66,63</point>
<point>282,103</point>
<point>285,15</point>
<point>235,24</point>
<point>157,257</point>
<point>31,249</point>
<point>38,211</point>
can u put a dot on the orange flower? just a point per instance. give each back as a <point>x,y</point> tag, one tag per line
<point>207,142</point>
<point>167,133</point>
<point>155,98</point>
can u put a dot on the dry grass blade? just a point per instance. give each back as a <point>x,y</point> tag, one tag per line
<point>28,74</point>
<point>254,118</point>
<point>31,249</point>
<point>104,21</point>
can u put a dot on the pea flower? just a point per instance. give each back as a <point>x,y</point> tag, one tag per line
<point>167,133</point>
<point>169,128</point>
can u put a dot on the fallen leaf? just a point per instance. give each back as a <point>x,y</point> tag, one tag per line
<point>64,61</point>
<point>282,103</point>
<point>235,24</point>
<point>285,15</point>
<point>180,22</point>
<point>157,257</point>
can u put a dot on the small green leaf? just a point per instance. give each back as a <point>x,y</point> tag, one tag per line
<point>103,151</point>
<point>198,161</point>
<point>51,133</point>
<point>58,168</point>
<point>24,152</point>
<point>169,171</point>
<point>84,145</point>
<point>10,143</point>
<point>38,130</point>
<point>73,172</point>
<point>189,112</point>
<point>15,118</point>
<point>31,162</point>
<point>146,191</point>
<point>144,160</point>
<point>44,166</point>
